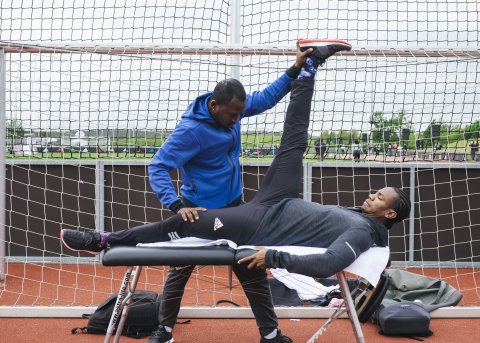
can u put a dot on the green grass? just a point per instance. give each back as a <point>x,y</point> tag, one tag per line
<point>251,141</point>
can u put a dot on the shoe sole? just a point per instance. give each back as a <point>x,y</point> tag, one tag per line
<point>69,247</point>
<point>302,43</point>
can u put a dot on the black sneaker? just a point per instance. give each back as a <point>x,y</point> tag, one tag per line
<point>161,336</point>
<point>279,338</point>
<point>90,242</point>
<point>323,48</point>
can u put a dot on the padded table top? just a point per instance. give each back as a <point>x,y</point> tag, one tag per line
<point>172,256</point>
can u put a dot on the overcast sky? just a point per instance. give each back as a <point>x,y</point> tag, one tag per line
<point>88,91</point>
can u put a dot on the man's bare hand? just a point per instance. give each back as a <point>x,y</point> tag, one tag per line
<point>256,260</point>
<point>190,213</point>
<point>301,56</point>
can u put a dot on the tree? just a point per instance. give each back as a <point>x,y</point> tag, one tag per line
<point>382,124</point>
<point>472,131</point>
<point>455,134</point>
<point>377,121</point>
<point>14,129</point>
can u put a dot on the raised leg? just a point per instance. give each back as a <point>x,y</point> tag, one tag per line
<point>284,176</point>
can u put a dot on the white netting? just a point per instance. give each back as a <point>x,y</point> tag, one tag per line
<point>94,87</point>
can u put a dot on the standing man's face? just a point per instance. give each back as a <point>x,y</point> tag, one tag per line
<point>227,115</point>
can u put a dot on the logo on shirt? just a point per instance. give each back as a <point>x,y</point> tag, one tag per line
<point>217,225</point>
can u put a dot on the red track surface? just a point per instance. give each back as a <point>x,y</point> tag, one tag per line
<point>88,284</point>
<point>22,330</point>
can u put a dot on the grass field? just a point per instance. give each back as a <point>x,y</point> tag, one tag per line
<point>258,148</point>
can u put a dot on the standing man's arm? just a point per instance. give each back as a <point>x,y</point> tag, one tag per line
<point>175,152</point>
<point>260,101</point>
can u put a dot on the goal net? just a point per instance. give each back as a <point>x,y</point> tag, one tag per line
<point>90,90</point>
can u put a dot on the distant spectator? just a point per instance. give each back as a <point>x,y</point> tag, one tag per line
<point>389,149</point>
<point>436,148</point>
<point>356,149</point>
<point>474,150</point>
<point>320,148</point>
<point>395,148</point>
<point>323,149</point>
<point>318,144</point>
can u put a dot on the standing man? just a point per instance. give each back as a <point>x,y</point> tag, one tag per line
<point>205,148</point>
<point>474,150</point>
<point>323,149</point>
<point>356,151</point>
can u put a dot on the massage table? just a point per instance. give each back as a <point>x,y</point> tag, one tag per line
<point>134,258</point>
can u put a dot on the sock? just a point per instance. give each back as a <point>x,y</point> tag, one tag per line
<point>309,68</point>
<point>271,335</point>
<point>103,240</point>
<point>167,328</point>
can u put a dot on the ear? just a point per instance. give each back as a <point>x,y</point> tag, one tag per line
<point>213,105</point>
<point>390,214</point>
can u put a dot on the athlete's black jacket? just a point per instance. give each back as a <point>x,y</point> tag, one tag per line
<point>344,232</point>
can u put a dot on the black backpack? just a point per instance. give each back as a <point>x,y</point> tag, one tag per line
<point>407,319</point>
<point>142,317</point>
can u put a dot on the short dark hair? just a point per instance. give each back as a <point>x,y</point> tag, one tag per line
<point>228,89</point>
<point>402,205</point>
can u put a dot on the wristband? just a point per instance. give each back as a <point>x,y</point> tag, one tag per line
<point>176,206</point>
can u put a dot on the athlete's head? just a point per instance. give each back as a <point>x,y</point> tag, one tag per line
<point>228,101</point>
<point>389,205</point>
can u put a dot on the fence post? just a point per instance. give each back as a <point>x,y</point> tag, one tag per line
<point>100,198</point>
<point>235,16</point>
<point>307,181</point>
<point>411,221</point>
<point>3,171</point>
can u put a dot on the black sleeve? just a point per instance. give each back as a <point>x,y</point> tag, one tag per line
<point>293,72</point>
<point>341,253</point>
<point>176,206</point>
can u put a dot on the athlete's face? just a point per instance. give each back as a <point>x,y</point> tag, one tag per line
<point>380,204</point>
<point>227,115</point>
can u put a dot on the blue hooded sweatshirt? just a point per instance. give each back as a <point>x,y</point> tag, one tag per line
<point>207,154</point>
